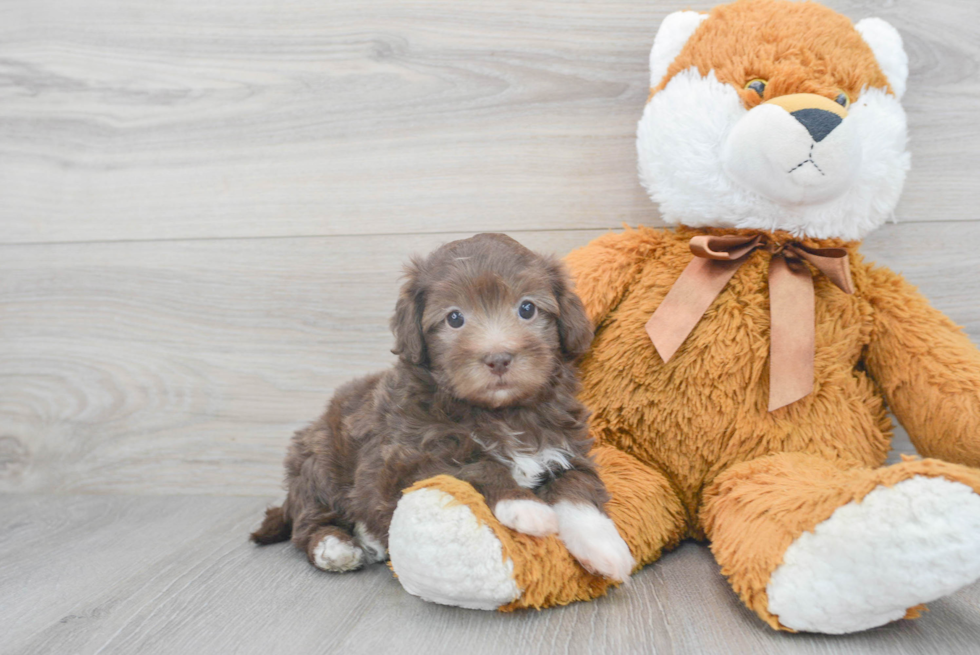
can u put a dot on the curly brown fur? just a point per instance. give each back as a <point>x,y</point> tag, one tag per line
<point>491,401</point>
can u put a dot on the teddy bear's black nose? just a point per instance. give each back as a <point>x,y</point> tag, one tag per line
<point>818,122</point>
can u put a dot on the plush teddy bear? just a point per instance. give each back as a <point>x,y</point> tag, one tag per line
<point>744,360</point>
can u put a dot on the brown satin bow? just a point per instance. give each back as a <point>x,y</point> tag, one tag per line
<point>792,331</point>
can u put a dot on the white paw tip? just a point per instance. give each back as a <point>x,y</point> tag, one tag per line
<point>333,554</point>
<point>592,539</point>
<point>374,551</point>
<point>900,546</point>
<point>528,516</point>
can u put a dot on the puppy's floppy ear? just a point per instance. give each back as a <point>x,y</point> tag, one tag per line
<point>406,324</point>
<point>574,326</point>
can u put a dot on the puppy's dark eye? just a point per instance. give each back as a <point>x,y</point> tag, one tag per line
<point>455,319</point>
<point>526,310</point>
<point>757,85</point>
<point>842,99</point>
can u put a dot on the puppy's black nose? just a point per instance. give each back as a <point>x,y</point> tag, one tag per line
<point>818,122</point>
<point>498,362</point>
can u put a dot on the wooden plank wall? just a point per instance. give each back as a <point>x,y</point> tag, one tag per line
<point>204,205</point>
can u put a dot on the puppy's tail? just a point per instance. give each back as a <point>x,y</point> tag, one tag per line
<point>275,528</point>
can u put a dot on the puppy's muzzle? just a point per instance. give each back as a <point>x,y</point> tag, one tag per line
<point>498,363</point>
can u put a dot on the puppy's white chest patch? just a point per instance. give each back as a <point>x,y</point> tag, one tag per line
<point>529,470</point>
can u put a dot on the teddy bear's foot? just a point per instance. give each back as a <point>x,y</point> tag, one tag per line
<point>446,546</point>
<point>824,545</point>
<point>443,554</point>
<point>872,560</point>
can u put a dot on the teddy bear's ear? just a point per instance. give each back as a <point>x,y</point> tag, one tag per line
<point>886,43</point>
<point>674,32</point>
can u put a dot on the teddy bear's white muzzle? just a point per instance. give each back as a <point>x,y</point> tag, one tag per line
<point>804,157</point>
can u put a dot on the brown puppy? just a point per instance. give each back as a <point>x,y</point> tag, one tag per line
<point>487,333</point>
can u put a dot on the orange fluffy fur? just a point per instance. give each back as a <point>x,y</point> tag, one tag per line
<point>749,480</point>
<point>688,448</point>
<point>799,47</point>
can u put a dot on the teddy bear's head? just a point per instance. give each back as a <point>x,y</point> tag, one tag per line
<point>775,115</point>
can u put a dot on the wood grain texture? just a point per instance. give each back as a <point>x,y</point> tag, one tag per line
<point>204,119</point>
<point>124,574</point>
<point>183,367</point>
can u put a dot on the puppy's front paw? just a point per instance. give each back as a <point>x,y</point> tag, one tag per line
<point>333,554</point>
<point>528,516</point>
<point>592,539</point>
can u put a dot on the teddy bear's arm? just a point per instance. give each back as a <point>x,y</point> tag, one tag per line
<point>927,368</point>
<point>603,269</point>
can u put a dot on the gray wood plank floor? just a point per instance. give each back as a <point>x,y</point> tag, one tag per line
<point>204,208</point>
<point>210,118</point>
<point>174,574</point>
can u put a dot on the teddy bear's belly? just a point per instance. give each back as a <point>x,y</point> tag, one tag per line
<point>707,408</point>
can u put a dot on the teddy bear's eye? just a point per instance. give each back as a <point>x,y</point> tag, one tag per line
<point>842,99</point>
<point>455,319</point>
<point>757,85</point>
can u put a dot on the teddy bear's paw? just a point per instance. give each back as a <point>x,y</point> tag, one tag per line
<point>872,560</point>
<point>443,554</point>
<point>528,516</point>
<point>592,539</point>
<point>334,554</point>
